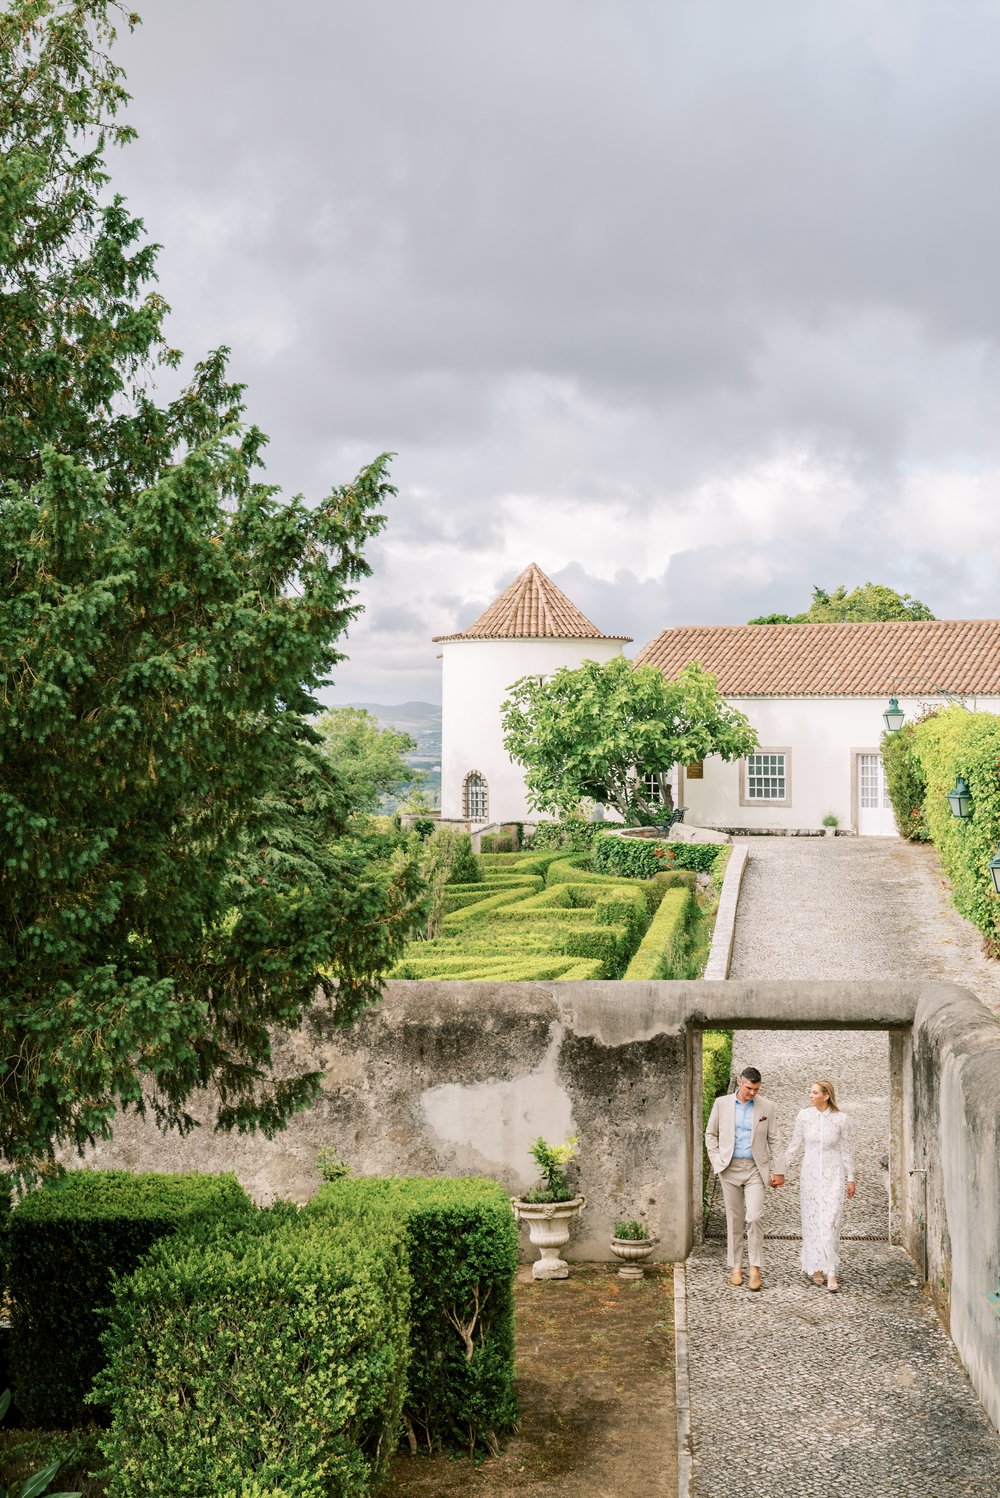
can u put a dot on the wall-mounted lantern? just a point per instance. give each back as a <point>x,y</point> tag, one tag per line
<point>893,716</point>
<point>960,799</point>
<point>994,868</point>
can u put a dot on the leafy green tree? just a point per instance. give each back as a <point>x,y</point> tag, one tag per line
<point>368,759</point>
<point>598,731</point>
<point>874,601</point>
<point>179,869</point>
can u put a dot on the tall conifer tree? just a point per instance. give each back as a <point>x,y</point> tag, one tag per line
<point>178,870</point>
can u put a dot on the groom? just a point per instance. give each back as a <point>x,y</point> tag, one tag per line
<point>742,1144</point>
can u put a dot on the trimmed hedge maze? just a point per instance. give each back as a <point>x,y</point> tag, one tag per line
<point>535,917</point>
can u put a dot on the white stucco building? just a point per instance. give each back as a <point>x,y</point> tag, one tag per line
<point>815,693</point>
<point>530,630</point>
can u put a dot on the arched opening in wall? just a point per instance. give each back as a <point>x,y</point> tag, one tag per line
<point>475,797</point>
<point>863,1067</point>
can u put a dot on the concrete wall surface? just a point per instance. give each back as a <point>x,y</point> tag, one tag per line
<point>953,1143</point>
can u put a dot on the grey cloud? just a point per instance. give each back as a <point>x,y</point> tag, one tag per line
<point>606,254</point>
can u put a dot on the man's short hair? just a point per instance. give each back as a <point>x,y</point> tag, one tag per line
<point>751,1074</point>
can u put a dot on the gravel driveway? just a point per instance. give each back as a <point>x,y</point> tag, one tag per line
<point>863,1395</point>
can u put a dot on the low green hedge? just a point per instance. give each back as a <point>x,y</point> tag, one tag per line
<point>267,1359</point>
<point>641,858</point>
<point>575,869</point>
<point>461,1243</point>
<point>720,866</point>
<point>661,952</point>
<point>469,914</point>
<point>458,896</point>
<point>520,863</point>
<point>539,967</point>
<point>716,1065</point>
<point>67,1241</point>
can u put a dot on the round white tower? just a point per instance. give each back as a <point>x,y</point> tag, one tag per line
<point>530,630</point>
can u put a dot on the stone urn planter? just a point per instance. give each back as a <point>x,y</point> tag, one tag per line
<point>632,1251</point>
<point>549,1226</point>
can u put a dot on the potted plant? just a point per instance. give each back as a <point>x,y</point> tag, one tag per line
<point>830,824</point>
<point>631,1244</point>
<point>550,1208</point>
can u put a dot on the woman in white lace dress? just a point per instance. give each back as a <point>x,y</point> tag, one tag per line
<point>827,1163</point>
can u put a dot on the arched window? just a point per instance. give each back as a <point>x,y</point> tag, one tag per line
<point>475,797</point>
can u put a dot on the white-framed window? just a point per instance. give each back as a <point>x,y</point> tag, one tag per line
<point>766,778</point>
<point>475,797</point>
<point>654,791</point>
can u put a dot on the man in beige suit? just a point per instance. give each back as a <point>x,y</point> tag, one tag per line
<point>742,1144</point>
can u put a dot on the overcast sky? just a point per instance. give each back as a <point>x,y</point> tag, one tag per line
<point>694,304</point>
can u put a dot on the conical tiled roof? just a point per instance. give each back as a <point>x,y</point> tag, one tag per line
<point>532,608</point>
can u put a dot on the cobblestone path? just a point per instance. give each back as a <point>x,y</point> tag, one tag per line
<point>800,1393</point>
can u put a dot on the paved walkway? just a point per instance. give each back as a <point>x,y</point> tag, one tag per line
<point>861,1394</point>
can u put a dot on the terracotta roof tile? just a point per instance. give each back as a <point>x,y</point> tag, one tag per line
<point>909,658</point>
<point>532,608</point>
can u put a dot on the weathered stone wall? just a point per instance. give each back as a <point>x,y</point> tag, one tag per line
<point>459,1078</point>
<point>952,1106</point>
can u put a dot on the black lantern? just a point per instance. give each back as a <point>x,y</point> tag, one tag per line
<point>994,868</point>
<point>960,799</point>
<point>893,716</point>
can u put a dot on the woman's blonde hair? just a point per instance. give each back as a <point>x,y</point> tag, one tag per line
<point>827,1087</point>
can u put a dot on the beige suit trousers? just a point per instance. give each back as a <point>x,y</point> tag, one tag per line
<point>743,1192</point>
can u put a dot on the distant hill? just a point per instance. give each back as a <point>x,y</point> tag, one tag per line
<point>422,721</point>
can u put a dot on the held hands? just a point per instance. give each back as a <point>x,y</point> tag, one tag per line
<point>777,1181</point>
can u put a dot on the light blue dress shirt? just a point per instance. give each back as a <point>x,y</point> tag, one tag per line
<point>744,1130</point>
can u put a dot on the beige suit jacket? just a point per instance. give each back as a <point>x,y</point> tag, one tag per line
<point>720,1136</point>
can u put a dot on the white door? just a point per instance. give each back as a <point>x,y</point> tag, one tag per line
<point>875,818</point>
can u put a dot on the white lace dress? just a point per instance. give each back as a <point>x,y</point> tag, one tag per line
<point>827,1164</point>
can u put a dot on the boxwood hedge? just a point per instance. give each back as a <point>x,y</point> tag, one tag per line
<point>67,1241</point>
<point>461,1243</point>
<point>641,857</point>
<point>269,1358</point>
<point>662,950</point>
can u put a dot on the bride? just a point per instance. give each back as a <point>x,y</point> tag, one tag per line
<point>826,1164</point>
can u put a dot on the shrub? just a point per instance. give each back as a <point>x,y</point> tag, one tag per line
<point>6,1202</point>
<point>661,951</point>
<point>573,831</point>
<point>720,866</point>
<point>905,782</point>
<point>553,1160</point>
<point>716,1065</point>
<point>951,743</point>
<point>461,1243</point>
<point>272,1358</point>
<point>497,842</point>
<point>465,864</point>
<point>642,857</point>
<point>67,1241</point>
<point>576,868</point>
<point>632,1231</point>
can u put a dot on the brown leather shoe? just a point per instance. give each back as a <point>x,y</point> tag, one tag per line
<point>754,1281</point>
<point>736,1278</point>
